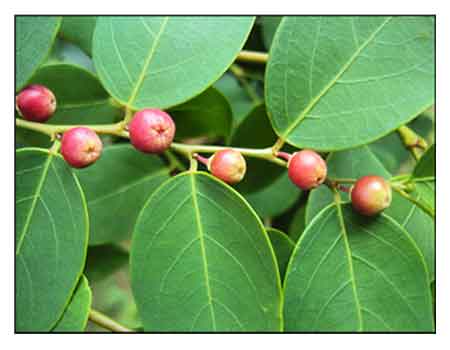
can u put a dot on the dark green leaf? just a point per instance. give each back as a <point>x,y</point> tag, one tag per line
<point>338,82</point>
<point>298,223</point>
<point>51,238</point>
<point>283,247</point>
<point>424,180</point>
<point>143,63</point>
<point>201,261</point>
<point>103,260</point>
<point>116,188</point>
<point>34,39</point>
<point>275,198</point>
<point>75,317</point>
<point>269,27</point>
<point>241,104</point>
<point>348,273</point>
<point>208,114</point>
<point>79,30</point>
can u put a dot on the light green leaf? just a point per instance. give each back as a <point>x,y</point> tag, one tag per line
<point>79,30</point>
<point>201,261</point>
<point>34,39</point>
<point>117,187</point>
<point>143,63</point>
<point>51,238</point>
<point>337,82</point>
<point>275,198</point>
<point>283,246</point>
<point>75,317</point>
<point>351,274</point>
<point>208,114</point>
<point>66,52</point>
<point>362,161</point>
<point>424,180</point>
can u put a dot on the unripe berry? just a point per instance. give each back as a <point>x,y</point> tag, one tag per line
<point>307,169</point>
<point>151,130</point>
<point>370,195</point>
<point>36,103</point>
<point>228,165</point>
<point>81,147</point>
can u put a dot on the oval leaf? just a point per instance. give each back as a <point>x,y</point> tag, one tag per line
<point>351,274</point>
<point>75,317</point>
<point>201,261</point>
<point>208,114</point>
<point>51,238</point>
<point>114,202</point>
<point>143,63</point>
<point>337,82</point>
<point>283,246</point>
<point>34,39</point>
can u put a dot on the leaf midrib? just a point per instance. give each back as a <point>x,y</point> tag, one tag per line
<point>202,248</point>
<point>35,199</point>
<point>346,66</point>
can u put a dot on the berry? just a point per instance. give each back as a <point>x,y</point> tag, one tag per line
<point>228,165</point>
<point>81,147</point>
<point>370,195</point>
<point>151,130</point>
<point>307,169</point>
<point>36,103</point>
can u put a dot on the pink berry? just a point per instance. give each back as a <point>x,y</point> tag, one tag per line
<point>151,130</point>
<point>228,165</point>
<point>36,103</point>
<point>370,195</point>
<point>81,147</point>
<point>307,169</point>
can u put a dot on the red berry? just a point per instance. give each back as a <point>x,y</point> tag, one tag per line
<point>36,103</point>
<point>307,169</point>
<point>370,195</point>
<point>81,147</point>
<point>228,165</point>
<point>151,130</point>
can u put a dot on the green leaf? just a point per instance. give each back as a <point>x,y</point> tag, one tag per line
<point>208,114</point>
<point>283,246</point>
<point>275,198</point>
<point>349,274</point>
<point>362,161</point>
<point>298,223</point>
<point>65,52</point>
<point>201,261</point>
<point>75,317</point>
<point>338,82</point>
<point>424,180</point>
<point>269,27</point>
<point>114,200</point>
<point>51,238</point>
<point>34,39</point>
<point>79,30</point>
<point>241,104</point>
<point>255,131</point>
<point>143,63</point>
<point>83,101</point>
<point>103,260</point>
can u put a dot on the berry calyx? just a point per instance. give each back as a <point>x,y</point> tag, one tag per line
<point>81,147</point>
<point>228,165</point>
<point>151,130</point>
<point>370,195</point>
<point>36,103</point>
<point>307,169</point>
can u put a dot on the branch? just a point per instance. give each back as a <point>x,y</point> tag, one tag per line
<point>105,322</point>
<point>252,57</point>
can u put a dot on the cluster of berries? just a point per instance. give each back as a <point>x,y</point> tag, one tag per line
<point>153,130</point>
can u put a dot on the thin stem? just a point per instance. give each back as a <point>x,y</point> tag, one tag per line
<point>252,57</point>
<point>105,322</point>
<point>262,153</point>
<point>277,145</point>
<point>201,159</point>
<point>128,116</point>
<point>341,180</point>
<point>174,163</point>
<point>194,164</point>
<point>286,156</point>
<point>52,130</point>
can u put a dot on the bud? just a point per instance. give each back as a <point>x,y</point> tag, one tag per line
<point>36,103</point>
<point>228,165</point>
<point>81,147</point>
<point>370,195</point>
<point>307,169</point>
